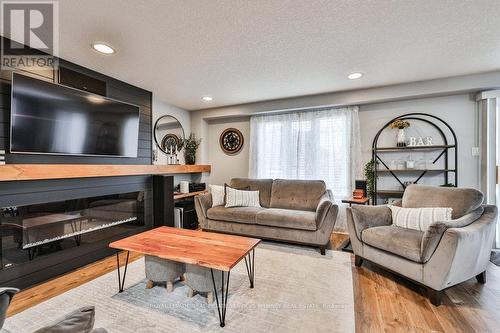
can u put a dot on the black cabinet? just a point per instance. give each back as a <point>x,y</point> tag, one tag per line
<point>188,216</point>
<point>163,201</point>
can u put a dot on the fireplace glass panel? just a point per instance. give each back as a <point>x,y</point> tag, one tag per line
<point>33,231</point>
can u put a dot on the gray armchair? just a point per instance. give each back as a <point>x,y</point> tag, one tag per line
<point>448,253</point>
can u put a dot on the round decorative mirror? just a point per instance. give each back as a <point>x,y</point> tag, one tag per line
<point>168,134</point>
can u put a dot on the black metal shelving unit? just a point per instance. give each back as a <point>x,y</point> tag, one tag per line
<point>444,149</point>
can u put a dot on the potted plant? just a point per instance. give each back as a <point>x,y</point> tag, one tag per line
<point>369,172</point>
<point>400,124</point>
<point>190,145</point>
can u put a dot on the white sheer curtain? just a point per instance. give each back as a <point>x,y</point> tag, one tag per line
<point>323,144</point>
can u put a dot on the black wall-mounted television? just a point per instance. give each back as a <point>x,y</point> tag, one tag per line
<point>48,118</point>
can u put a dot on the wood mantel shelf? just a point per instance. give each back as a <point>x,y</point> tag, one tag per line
<point>15,172</point>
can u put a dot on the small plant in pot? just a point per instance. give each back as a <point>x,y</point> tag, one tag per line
<point>190,145</point>
<point>400,124</point>
<point>369,172</point>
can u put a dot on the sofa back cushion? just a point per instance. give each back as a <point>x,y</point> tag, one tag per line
<point>461,200</point>
<point>262,185</point>
<point>297,194</point>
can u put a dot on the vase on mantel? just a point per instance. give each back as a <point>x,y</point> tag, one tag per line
<point>401,138</point>
<point>190,159</point>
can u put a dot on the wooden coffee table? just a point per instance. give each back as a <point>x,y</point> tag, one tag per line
<point>207,249</point>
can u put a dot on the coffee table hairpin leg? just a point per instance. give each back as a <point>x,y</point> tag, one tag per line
<point>121,282</point>
<point>250,264</point>
<point>222,306</point>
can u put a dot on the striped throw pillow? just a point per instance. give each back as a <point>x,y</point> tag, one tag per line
<point>419,218</point>
<point>238,198</point>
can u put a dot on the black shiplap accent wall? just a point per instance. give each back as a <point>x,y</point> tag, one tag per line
<point>115,89</point>
<point>31,192</point>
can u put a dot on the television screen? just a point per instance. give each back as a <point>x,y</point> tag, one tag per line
<point>48,118</point>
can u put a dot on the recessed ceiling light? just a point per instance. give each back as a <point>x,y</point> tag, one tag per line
<point>103,48</point>
<point>207,98</point>
<point>354,76</point>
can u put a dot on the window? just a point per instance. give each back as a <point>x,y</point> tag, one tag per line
<point>308,145</point>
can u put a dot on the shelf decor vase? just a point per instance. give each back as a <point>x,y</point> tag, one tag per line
<point>401,138</point>
<point>190,159</point>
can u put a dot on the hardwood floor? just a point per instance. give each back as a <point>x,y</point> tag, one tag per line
<point>44,291</point>
<point>383,302</point>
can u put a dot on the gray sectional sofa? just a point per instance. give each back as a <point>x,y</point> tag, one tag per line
<point>294,211</point>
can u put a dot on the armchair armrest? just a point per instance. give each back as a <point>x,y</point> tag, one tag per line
<point>436,230</point>
<point>463,252</point>
<point>9,291</point>
<point>364,217</point>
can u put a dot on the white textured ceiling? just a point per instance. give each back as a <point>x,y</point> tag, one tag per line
<point>243,51</point>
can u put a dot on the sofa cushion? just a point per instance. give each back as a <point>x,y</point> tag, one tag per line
<point>262,185</point>
<point>234,214</point>
<point>461,200</point>
<point>285,218</point>
<point>403,242</point>
<point>297,194</point>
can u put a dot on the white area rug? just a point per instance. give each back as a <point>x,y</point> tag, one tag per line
<point>296,290</point>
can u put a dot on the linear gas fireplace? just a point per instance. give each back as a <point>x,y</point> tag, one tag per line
<point>32,232</point>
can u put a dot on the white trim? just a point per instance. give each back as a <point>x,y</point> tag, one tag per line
<point>488,94</point>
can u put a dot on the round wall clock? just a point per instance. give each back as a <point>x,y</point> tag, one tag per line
<point>170,142</point>
<point>231,141</point>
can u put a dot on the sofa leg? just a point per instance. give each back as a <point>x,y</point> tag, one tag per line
<point>481,277</point>
<point>434,296</point>
<point>322,249</point>
<point>149,284</point>
<point>358,261</point>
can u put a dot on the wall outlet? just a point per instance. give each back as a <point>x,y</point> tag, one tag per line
<point>475,151</point>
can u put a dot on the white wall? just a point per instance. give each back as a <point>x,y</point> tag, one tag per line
<point>161,108</point>
<point>457,110</point>
<point>225,167</point>
<point>460,85</point>
<point>450,99</point>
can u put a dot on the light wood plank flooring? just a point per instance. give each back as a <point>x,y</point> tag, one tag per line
<point>383,301</point>
<point>44,291</point>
